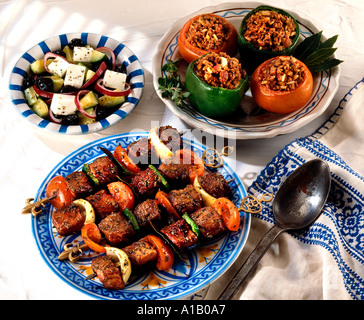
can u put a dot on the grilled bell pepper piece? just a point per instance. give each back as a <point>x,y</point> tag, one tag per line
<point>212,101</point>
<point>250,55</point>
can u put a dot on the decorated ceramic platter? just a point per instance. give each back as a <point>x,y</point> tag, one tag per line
<point>250,122</point>
<point>124,56</point>
<point>200,267</point>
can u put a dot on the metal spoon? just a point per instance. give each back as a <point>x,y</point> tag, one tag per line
<point>298,202</point>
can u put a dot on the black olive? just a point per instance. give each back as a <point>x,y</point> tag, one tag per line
<point>76,42</point>
<point>60,53</point>
<point>120,68</point>
<point>28,81</point>
<point>45,84</point>
<point>69,120</point>
<point>102,113</point>
<point>67,89</point>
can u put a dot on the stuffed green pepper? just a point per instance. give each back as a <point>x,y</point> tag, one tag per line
<point>217,84</point>
<point>266,32</point>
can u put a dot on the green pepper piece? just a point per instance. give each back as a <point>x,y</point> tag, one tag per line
<point>192,224</point>
<point>161,178</point>
<point>129,215</point>
<point>250,55</point>
<point>86,169</point>
<point>212,101</point>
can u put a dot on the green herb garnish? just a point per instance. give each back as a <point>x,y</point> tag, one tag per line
<point>316,55</point>
<point>171,85</point>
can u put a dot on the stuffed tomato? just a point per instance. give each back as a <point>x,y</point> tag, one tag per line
<point>282,84</point>
<point>207,33</point>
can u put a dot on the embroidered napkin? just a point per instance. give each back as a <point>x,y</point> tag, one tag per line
<point>325,260</point>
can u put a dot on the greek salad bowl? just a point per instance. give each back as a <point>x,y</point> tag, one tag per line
<point>46,89</point>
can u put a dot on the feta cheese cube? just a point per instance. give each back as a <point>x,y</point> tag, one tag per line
<point>82,54</point>
<point>58,67</point>
<point>63,104</point>
<point>75,76</point>
<point>114,80</point>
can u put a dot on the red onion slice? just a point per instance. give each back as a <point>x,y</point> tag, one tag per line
<point>100,88</point>
<point>79,108</point>
<point>97,75</point>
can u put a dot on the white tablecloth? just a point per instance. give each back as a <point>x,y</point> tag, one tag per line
<point>28,154</point>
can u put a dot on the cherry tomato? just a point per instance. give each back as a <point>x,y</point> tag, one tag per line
<point>229,213</point>
<point>163,200</point>
<point>58,186</point>
<point>189,52</point>
<point>281,101</point>
<point>122,157</point>
<point>91,235</point>
<point>165,258</point>
<point>122,194</point>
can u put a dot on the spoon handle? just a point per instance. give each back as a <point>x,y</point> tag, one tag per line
<point>251,262</point>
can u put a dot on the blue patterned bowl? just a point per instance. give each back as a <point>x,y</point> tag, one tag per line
<point>203,263</point>
<point>123,55</point>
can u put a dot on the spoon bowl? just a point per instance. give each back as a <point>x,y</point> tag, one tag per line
<point>298,203</point>
<point>302,195</point>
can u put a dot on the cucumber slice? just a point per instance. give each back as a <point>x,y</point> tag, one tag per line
<point>30,96</point>
<point>69,53</point>
<point>97,56</point>
<point>89,74</point>
<point>84,119</point>
<point>108,101</point>
<point>57,83</point>
<point>40,108</point>
<point>37,66</point>
<point>89,100</point>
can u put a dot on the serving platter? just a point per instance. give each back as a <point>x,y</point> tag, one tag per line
<point>123,56</point>
<point>200,267</point>
<point>250,122</point>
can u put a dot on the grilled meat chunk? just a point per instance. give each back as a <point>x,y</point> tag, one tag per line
<point>147,211</point>
<point>180,234</point>
<point>145,183</point>
<point>186,200</point>
<point>142,152</point>
<point>175,173</point>
<point>79,184</point>
<point>108,273</point>
<point>103,203</point>
<point>104,170</point>
<point>208,221</point>
<point>215,184</point>
<point>170,137</point>
<point>68,220</point>
<point>140,253</point>
<point>116,228</point>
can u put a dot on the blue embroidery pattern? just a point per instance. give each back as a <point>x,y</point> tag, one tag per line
<point>341,234</point>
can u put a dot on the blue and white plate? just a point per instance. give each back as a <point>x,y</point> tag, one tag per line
<point>251,122</point>
<point>123,56</point>
<point>203,265</point>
